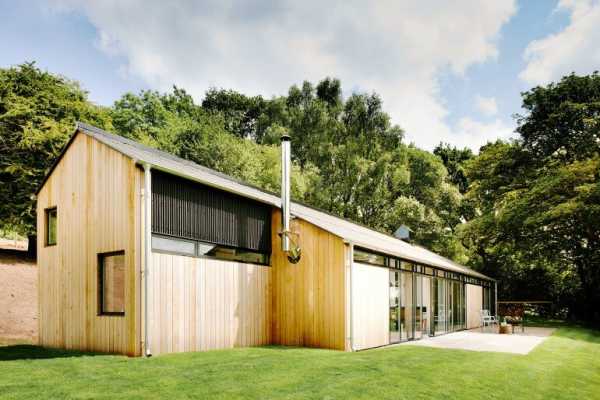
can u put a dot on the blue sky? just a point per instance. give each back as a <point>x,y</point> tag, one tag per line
<point>499,78</point>
<point>63,43</point>
<point>449,73</point>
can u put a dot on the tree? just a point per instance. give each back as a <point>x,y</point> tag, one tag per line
<point>174,123</point>
<point>454,160</point>
<point>562,117</point>
<point>538,198</point>
<point>240,113</point>
<point>154,118</point>
<point>38,112</point>
<point>353,157</point>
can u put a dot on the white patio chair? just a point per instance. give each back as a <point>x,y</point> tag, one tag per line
<point>487,319</point>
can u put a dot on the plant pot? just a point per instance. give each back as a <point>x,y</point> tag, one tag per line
<point>504,329</point>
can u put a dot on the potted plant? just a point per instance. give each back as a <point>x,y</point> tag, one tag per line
<point>504,326</point>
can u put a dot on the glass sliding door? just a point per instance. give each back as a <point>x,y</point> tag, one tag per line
<point>463,307</point>
<point>456,306</point>
<point>448,290</point>
<point>440,307</point>
<point>406,309</point>
<point>426,306</point>
<point>394,306</point>
<point>418,305</point>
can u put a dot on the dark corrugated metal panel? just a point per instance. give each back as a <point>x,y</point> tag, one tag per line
<point>187,209</point>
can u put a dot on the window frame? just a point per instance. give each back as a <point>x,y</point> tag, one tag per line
<point>101,257</point>
<point>388,262</point>
<point>198,255</point>
<point>47,212</point>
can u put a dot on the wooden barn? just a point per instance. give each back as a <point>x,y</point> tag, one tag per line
<point>142,253</point>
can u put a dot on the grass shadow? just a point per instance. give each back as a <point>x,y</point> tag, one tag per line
<point>568,329</point>
<point>580,333</point>
<point>30,352</point>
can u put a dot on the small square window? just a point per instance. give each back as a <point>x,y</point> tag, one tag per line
<point>51,223</point>
<point>111,283</point>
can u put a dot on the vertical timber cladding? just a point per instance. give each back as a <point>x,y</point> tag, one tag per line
<point>186,209</point>
<point>371,306</point>
<point>198,303</point>
<point>96,191</point>
<point>474,295</point>
<point>201,303</point>
<point>309,298</point>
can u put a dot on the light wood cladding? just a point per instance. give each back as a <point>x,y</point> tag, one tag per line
<point>97,194</point>
<point>198,304</point>
<point>309,299</point>
<point>194,303</point>
<point>474,303</point>
<point>371,304</point>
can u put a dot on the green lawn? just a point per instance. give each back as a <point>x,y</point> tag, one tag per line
<point>565,366</point>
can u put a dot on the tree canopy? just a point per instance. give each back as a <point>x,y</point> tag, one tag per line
<point>538,199</point>
<point>38,111</point>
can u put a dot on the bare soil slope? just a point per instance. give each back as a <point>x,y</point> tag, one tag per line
<point>18,297</point>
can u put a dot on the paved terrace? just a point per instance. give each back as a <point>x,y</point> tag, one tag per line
<point>488,340</point>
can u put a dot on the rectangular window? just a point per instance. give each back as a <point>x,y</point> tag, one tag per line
<point>406,266</point>
<point>51,225</point>
<point>194,248</point>
<point>111,283</point>
<point>363,256</point>
<point>233,254</point>
<point>172,245</point>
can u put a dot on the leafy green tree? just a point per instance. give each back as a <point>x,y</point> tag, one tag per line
<point>353,157</point>
<point>240,112</point>
<point>454,160</point>
<point>538,199</point>
<point>154,118</point>
<point>562,118</point>
<point>38,112</point>
<point>173,122</point>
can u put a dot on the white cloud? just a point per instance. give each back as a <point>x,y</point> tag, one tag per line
<point>486,105</point>
<point>394,48</point>
<point>474,134</point>
<point>574,49</point>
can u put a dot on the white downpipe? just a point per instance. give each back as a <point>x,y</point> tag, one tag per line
<point>351,284</point>
<point>147,251</point>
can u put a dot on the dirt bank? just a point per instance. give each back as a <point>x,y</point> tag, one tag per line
<point>18,298</point>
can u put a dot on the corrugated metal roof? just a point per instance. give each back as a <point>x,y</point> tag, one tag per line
<point>357,234</point>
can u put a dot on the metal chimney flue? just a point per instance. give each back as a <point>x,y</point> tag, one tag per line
<point>285,192</point>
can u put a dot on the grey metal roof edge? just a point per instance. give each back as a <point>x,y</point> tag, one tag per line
<point>57,161</point>
<point>145,154</point>
<point>200,173</point>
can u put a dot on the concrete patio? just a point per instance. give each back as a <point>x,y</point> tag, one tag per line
<point>488,340</point>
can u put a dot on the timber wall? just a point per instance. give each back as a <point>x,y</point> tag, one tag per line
<point>204,304</point>
<point>309,298</point>
<point>474,304</point>
<point>371,303</point>
<point>97,194</point>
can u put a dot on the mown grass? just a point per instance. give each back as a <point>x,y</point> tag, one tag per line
<point>565,366</point>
